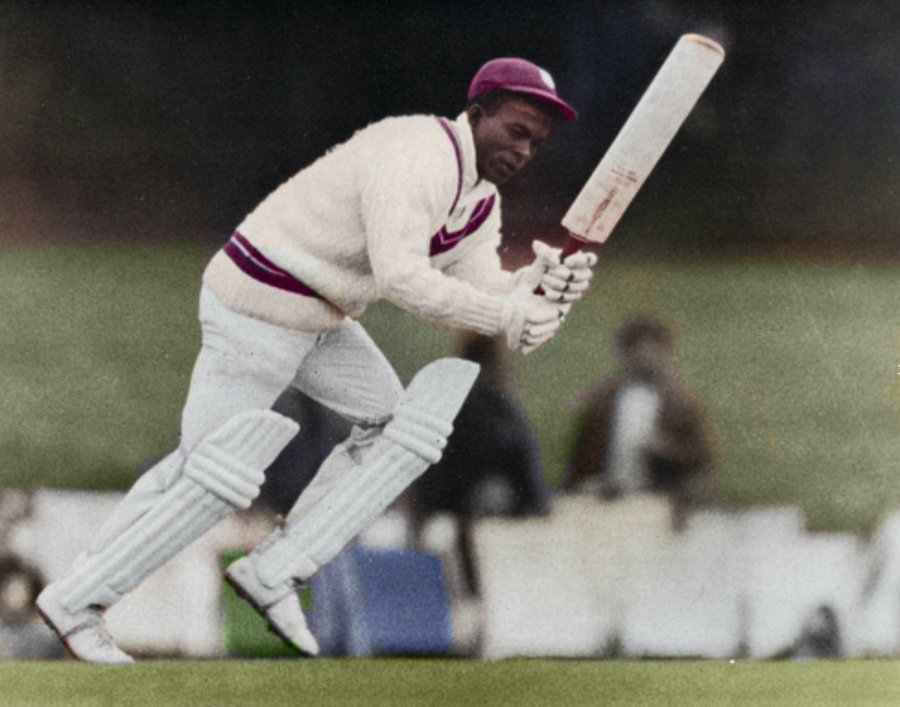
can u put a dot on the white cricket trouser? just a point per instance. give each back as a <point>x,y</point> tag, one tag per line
<point>245,364</point>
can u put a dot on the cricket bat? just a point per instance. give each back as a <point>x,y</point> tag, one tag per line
<point>644,137</point>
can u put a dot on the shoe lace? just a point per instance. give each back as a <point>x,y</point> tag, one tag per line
<point>93,628</point>
<point>101,639</point>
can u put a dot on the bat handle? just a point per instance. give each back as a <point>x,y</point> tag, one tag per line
<point>573,245</point>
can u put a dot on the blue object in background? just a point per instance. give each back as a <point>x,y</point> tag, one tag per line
<point>405,606</point>
<point>335,610</point>
<point>365,602</point>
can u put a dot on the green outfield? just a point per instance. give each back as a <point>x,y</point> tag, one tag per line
<point>419,682</point>
<point>797,363</point>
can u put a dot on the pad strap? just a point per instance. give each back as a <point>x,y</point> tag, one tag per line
<point>419,431</point>
<point>217,471</point>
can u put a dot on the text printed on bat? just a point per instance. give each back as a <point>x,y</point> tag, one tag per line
<point>628,175</point>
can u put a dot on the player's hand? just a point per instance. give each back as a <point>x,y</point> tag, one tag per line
<point>531,321</point>
<point>563,281</point>
<point>541,334</point>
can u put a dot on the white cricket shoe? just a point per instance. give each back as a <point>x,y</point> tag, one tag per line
<point>282,611</point>
<point>82,631</point>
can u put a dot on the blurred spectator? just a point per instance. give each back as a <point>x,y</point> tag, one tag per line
<point>644,429</point>
<point>492,463</point>
<point>23,636</point>
<point>19,586</point>
<point>821,636</point>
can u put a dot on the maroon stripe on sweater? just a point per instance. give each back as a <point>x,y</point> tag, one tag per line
<point>447,129</point>
<point>260,268</point>
<point>444,240</point>
<point>254,254</point>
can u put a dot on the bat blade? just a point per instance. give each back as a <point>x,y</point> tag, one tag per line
<point>643,139</point>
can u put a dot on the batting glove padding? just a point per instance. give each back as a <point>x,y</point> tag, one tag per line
<point>530,321</point>
<point>563,281</point>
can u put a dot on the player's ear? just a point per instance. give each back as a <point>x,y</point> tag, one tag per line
<point>475,113</point>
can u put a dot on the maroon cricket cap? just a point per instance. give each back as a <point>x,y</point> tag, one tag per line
<point>519,76</point>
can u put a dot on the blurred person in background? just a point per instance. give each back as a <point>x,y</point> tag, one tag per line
<point>644,430</point>
<point>22,634</point>
<point>492,466</point>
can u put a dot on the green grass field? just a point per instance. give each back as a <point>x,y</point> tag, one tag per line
<point>421,682</point>
<point>797,363</point>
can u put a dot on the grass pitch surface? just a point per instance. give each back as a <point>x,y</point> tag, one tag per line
<point>419,682</point>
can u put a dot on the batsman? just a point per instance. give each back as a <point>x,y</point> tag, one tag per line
<point>406,210</point>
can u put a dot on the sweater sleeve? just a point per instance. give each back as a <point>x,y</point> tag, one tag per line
<point>408,192</point>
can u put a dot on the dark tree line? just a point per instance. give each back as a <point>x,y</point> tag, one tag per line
<point>124,110</point>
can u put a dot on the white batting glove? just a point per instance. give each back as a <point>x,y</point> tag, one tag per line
<point>567,281</point>
<point>531,321</point>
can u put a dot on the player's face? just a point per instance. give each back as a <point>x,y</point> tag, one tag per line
<point>508,138</point>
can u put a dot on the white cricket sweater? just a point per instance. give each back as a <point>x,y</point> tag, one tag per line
<point>396,212</point>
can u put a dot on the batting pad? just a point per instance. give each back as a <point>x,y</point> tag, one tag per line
<point>412,441</point>
<point>222,474</point>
